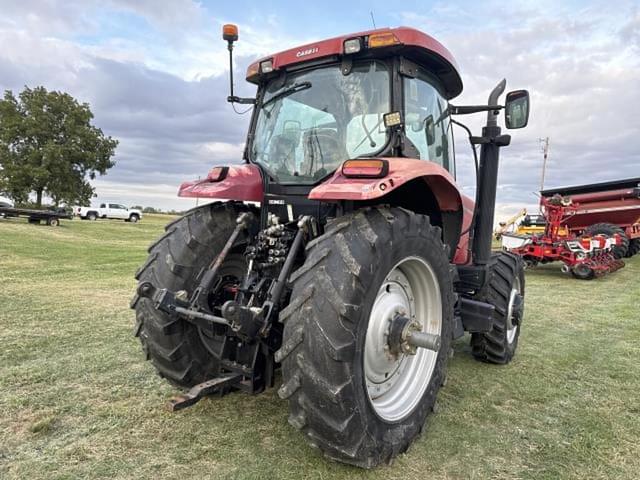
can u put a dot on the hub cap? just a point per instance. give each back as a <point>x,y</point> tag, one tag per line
<point>396,382</point>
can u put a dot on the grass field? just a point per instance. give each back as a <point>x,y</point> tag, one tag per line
<point>77,400</point>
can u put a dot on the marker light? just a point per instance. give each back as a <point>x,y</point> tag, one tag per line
<point>353,45</point>
<point>217,174</point>
<point>266,66</point>
<point>365,168</point>
<point>230,32</point>
<point>253,70</point>
<point>382,40</point>
<point>392,119</point>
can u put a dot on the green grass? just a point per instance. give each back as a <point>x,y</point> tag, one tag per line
<point>77,400</point>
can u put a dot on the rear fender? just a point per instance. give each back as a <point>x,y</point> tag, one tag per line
<point>412,184</point>
<point>242,182</point>
<point>401,171</point>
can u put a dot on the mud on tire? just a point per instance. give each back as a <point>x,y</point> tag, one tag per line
<point>506,272</point>
<point>181,352</point>
<point>326,324</point>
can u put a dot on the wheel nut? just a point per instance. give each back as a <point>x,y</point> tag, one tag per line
<point>182,295</point>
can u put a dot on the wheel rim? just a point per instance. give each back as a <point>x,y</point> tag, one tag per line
<point>395,384</point>
<point>228,276</point>
<point>512,328</point>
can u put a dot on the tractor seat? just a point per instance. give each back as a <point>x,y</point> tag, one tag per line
<point>323,151</point>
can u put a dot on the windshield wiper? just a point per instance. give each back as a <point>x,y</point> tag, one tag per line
<point>296,87</point>
<point>368,135</point>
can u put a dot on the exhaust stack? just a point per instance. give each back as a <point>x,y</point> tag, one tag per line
<point>490,143</point>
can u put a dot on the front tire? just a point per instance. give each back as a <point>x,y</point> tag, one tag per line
<point>505,291</point>
<point>181,352</point>
<point>337,375</point>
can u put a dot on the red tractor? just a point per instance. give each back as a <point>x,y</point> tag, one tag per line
<point>363,260</point>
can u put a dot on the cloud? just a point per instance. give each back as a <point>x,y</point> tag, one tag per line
<point>581,72</point>
<point>157,195</point>
<point>155,75</point>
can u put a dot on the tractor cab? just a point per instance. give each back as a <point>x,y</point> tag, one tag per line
<point>376,94</point>
<point>340,123</point>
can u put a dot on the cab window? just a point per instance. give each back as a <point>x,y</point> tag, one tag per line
<point>308,125</point>
<point>425,123</point>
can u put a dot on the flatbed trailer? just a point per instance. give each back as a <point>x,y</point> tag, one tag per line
<point>615,202</point>
<point>50,217</point>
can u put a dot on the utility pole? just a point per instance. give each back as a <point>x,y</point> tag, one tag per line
<point>545,153</point>
<point>198,198</point>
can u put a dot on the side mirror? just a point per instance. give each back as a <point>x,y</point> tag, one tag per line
<point>430,130</point>
<point>516,109</point>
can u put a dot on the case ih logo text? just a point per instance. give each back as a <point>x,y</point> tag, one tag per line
<point>308,51</point>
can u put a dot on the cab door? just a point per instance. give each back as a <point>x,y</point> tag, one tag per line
<point>117,211</point>
<point>427,122</point>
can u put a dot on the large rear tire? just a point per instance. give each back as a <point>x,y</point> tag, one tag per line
<point>349,396</point>
<point>181,352</point>
<point>634,247</point>
<point>609,230</point>
<point>505,291</point>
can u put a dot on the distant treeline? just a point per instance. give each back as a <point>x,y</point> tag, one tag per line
<point>34,205</point>
<point>157,210</point>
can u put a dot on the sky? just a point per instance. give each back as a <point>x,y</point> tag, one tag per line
<point>156,76</point>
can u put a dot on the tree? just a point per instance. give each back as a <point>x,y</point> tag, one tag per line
<point>49,147</point>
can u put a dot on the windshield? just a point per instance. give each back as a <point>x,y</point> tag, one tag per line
<point>315,120</point>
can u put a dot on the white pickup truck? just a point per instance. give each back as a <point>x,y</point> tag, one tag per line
<point>108,210</point>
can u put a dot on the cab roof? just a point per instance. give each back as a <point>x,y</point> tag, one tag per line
<point>408,42</point>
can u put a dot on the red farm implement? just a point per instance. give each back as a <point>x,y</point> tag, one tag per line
<point>608,208</point>
<point>586,256</point>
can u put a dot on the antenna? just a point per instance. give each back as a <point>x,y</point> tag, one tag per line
<point>545,152</point>
<point>373,20</point>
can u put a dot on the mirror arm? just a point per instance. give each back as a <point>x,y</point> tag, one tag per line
<point>467,109</point>
<point>233,98</point>
<point>240,100</point>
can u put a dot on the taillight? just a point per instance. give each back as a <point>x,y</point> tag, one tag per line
<point>365,168</point>
<point>217,174</point>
